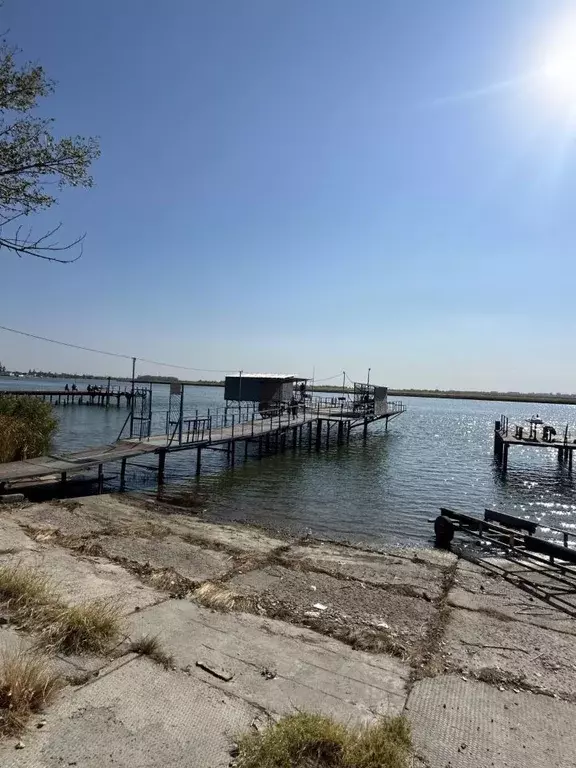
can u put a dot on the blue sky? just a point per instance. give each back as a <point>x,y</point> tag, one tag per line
<point>289,185</point>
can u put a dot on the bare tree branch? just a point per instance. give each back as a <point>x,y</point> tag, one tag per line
<point>33,162</point>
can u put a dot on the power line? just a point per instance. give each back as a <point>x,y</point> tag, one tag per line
<point>111,354</point>
<point>328,378</point>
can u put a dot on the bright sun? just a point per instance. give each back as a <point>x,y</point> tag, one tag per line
<point>559,74</point>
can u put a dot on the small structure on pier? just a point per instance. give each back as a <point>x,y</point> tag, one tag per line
<point>269,390</point>
<point>506,436</point>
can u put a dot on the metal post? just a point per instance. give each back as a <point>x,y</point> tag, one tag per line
<point>198,461</point>
<point>233,425</point>
<point>123,474</point>
<point>181,415</point>
<point>232,452</point>
<point>100,478</point>
<point>240,395</point>
<point>161,465</point>
<point>368,380</point>
<point>132,397</point>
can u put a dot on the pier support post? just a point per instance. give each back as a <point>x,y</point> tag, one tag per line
<point>505,457</point>
<point>365,431</point>
<point>309,435</point>
<point>198,461</point>
<point>294,438</point>
<point>318,434</point>
<point>245,450</point>
<point>161,466</point>
<point>260,447</point>
<point>340,432</point>
<point>328,426</point>
<point>570,457</point>
<point>100,478</point>
<point>123,474</point>
<point>348,430</point>
<point>63,478</point>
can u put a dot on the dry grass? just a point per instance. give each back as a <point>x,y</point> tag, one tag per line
<point>27,685</point>
<point>221,598</point>
<point>33,602</point>
<point>24,587</point>
<point>149,645</point>
<point>90,627</point>
<point>313,741</point>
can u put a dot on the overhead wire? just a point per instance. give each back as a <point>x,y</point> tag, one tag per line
<point>113,354</point>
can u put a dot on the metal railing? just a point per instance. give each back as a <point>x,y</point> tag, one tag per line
<point>222,424</point>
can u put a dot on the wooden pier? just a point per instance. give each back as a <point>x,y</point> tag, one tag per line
<point>313,428</point>
<point>507,436</point>
<point>103,398</point>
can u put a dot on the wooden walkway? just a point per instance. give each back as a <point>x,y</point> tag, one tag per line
<point>313,427</point>
<point>103,398</point>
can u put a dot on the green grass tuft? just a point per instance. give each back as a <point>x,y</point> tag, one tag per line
<point>314,741</point>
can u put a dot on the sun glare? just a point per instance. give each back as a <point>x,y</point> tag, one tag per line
<point>558,73</point>
<point>560,76</point>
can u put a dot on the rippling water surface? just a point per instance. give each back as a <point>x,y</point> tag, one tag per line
<point>439,453</point>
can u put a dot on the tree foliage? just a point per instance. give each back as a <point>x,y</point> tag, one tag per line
<point>34,164</point>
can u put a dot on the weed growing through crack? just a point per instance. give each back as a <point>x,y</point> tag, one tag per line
<point>32,601</point>
<point>27,685</point>
<point>313,741</point>
<point>149,645</point>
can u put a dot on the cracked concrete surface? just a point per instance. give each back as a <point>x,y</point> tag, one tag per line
<point>455,621</point>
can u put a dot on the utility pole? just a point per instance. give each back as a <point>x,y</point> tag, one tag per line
<point>343,382</point>
<point>368,382</point>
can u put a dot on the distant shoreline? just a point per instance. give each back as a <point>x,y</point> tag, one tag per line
<point>511,397</point>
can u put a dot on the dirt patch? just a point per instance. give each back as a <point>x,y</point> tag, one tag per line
<point>365,616</point>
<point>404,575</point>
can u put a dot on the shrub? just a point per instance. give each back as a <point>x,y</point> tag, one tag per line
<point>308,740</point>
<point>26,427</point>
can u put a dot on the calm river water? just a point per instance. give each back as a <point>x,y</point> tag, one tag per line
<point>379,491</point>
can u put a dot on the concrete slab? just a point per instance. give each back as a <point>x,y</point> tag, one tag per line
<point>309,671</point>
<point>534,656</point>
<point>13,538</point>
<point>474,725</point>
<point>413,575</point>
<point>190,561</point>
<point>68,516</point>
<point>240,538</point>
<point>349,604</point>
<point>83,578</point>
<point>136,716</point>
